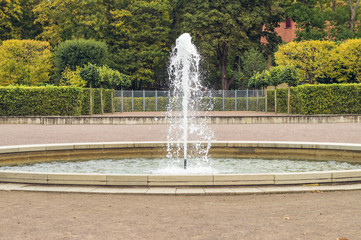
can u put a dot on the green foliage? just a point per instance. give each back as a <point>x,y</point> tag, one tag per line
<point>40,101</point>
<point>326,19</point>
<point>106,75</point>
<point>274,76</point>
<point>79,52</point>
<point>90,74</point>
<point>252,61</point>
<point>224,30</point>
<point>319,99</point>
<point>260,80</point>
<point>85,110</point>
<point>289,75</point>
<point>120,80</point>
<point>24,62</point>
<point>10,16</point>
<point>140,41</point>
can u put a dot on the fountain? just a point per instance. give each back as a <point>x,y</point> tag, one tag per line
<point>189,139</point>
<point>186,87</point>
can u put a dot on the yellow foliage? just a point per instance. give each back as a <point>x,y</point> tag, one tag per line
<point>24,62</point>
<point>311,58</point>
<point>348,61</point>
<point>71,78</point>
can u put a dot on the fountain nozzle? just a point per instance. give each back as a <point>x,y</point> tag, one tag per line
<point>185,163</point>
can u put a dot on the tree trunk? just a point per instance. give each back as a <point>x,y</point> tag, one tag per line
<point>353,11</point>
<point>275,100</point>
<point>112,99</point>
<point>101,100</point>
<point>91,99</point>
<point>223,54</point>
<point>288,99</point>
<point>256,100</point>
<point>266,101</point>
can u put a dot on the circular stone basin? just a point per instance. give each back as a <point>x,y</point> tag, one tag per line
<point>342,164</point>
<point>175,166</point>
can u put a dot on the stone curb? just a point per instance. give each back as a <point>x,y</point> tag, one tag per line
<point>196,191</point>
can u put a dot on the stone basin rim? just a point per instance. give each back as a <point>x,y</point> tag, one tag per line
<point>167,180</point>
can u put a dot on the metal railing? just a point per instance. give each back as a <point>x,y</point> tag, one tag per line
<point>214,100</point>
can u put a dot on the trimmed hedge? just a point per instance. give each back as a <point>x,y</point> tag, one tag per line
<point>319,99</point>
<point>74,101</point>
<point>40,101</point>
<point>96,101</point>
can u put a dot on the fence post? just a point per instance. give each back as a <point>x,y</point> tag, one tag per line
<point>235,100</point>
<point>210,101</point>
<point>132,100</point>
<point>266,100</point>
<point>247,99</point>
<point>223,99</point>
<point>143,100</point>
<point>156,100</point>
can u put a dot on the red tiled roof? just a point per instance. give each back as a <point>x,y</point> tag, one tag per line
<point>287,34</point>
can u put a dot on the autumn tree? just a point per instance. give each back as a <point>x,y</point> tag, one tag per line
<point>24,62</point>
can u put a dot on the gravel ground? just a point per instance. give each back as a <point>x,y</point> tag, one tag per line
<point>321,216</point>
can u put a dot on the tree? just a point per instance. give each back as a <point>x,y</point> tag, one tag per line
<point>10,15</point>
<point>275,80</point>
<point>325,19</point>
<point>68,19</point>
<point>223,30</point>
<point>24,62</point>
<point>346,61</point>
<point>119,80</point>
<point>311,58</point>
<point>106,79</point>
<point>141,41</point>
<point>289,75</point>
<point>90,74</point>
<point>73,53</point>
<point>252,61</point>
<point>72,78</point>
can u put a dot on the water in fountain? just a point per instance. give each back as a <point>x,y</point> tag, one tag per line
<point>186,102</point>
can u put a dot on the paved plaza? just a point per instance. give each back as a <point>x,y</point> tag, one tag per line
<point>311,215</point>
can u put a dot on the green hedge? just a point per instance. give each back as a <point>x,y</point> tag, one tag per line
<point>319,99</point>
<point>74,101</point>
<point>96,101</point>
<point>40,101</point>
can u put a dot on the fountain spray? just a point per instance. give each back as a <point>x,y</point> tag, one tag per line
<point>186,92</point>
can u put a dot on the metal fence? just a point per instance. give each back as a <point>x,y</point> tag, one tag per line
<point>214,100</point>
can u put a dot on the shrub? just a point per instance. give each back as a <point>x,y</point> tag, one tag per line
<point>79,52</point>
<point>320,99</point>
<point>24,62</point>
<point>40,101</point>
